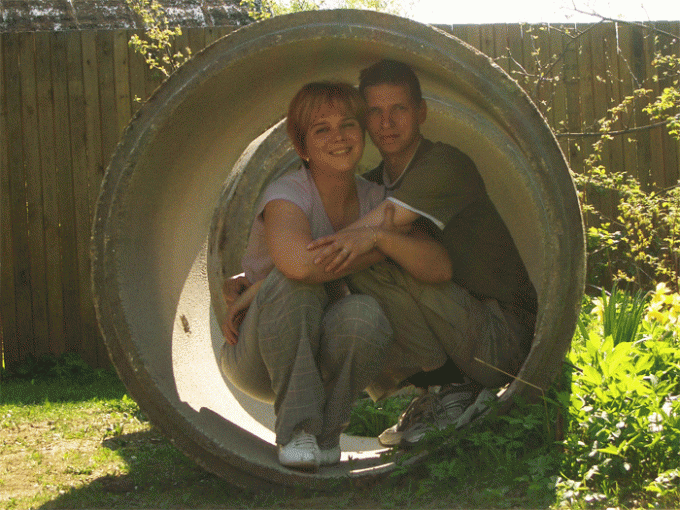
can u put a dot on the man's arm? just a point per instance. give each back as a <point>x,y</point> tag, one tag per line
<point>419,254</point>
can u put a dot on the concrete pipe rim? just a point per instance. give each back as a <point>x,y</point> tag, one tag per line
<point>122,249</point>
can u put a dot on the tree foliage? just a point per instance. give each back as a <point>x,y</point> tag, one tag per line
<point>156,46</point>
<point>262,9</point>
<point>640,244</point>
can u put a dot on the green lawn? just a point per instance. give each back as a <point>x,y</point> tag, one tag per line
<point>606,435</point>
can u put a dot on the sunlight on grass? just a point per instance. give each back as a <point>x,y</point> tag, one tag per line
<point>607,434</point>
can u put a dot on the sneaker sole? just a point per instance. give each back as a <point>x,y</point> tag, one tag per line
<point>311,467</point>
<point>389,438</point>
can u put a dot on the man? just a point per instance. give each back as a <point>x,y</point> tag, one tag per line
<point>463,335</point>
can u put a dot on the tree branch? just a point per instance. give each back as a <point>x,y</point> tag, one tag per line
<point>614,133</point>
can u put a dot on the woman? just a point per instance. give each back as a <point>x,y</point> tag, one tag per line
<point>295,337</point>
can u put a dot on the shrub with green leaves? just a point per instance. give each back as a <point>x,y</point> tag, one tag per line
<point>624,430</point>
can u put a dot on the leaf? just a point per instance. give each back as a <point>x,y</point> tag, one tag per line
<point>610,449</point>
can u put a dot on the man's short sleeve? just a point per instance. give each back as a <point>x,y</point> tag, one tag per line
<point>439,183</point>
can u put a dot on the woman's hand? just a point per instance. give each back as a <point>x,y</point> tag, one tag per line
<point>236,311</point>
<point>338,250</point>
<point>341,248</point>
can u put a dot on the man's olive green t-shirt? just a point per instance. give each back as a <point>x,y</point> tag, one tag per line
<point>443,185</point>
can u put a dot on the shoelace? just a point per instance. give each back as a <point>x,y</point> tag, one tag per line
<point>457,399</point>
<point>419,407</point>
<point>304,440</point>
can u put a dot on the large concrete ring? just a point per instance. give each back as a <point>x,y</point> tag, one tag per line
<point>178,198</point>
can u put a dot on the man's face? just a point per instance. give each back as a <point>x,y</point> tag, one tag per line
<point>394,118</point>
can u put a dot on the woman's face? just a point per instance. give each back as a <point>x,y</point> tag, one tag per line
<point>334,140</point>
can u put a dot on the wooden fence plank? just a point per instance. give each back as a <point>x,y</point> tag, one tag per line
<point>595,106</point>
<point>529,60</point>
<point>640,63</point>
<point>515,53</point>
<point>544,85</point>
<point>82,212</point>
<point>8,326</point>
<point>94,164</point>
<point>627,83</point>
<point>121,79</point>
<point>34,193</point>
<point>93,115</point>
<point>48,167</point>
<point>67,227</point>
<point>655,135</point>
<point>474,36</point>
<point>138,93</point>
<point>670,145</point>
<point>672,172</point>
<point>459,31</point>
<point>572,85</point>
<point>19,246</point>
<point>613,94</point>
<point>500,32</point>
<point>486,41</point>
<point>558,99</point>
<point>107,95</point>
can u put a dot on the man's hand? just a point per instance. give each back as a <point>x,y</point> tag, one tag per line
<point>236,311</point>
<point>233,287</point>
<point>339,250</point>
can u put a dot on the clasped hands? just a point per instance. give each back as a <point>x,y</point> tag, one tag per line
<point>336,252</point>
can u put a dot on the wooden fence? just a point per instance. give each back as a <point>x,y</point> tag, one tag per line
<point>65,98</point>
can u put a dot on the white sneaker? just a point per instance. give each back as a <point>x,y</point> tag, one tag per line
<point>301,452</point>
<point>330,456</point>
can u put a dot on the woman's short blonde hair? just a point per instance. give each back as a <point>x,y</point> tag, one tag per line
<point>311,97</point>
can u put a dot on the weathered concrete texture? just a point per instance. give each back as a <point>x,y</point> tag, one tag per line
<point>178,197</point>
<point>50,15</point>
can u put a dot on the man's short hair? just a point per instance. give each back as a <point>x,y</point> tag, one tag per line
<point>392,72</point>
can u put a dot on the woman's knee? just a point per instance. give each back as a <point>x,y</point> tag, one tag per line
<point>357,322</point>
<point>278,287</point>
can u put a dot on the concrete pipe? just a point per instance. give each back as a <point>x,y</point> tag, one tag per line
<point>178,197</point>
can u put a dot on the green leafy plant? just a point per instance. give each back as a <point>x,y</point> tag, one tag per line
<point>620,313</point>
<point>371,418</point>
<point>157,44</point>
<point>623,418</point>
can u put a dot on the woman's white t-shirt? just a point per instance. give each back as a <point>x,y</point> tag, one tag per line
<point>298,187</point>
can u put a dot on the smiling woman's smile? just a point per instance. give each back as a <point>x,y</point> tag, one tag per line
<point>334,141</point>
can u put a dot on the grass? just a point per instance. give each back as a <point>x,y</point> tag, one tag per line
<point>607,435</point>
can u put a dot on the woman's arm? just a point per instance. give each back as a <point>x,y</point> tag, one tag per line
<point>288,234</point>
<point>419,254</point>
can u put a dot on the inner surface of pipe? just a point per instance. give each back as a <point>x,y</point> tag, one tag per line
<point>179,195</point>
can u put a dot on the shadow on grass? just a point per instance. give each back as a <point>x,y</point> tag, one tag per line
<point>156,475</point>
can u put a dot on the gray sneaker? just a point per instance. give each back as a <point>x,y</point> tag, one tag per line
<point>418,405</point>
<point>444,410</point>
